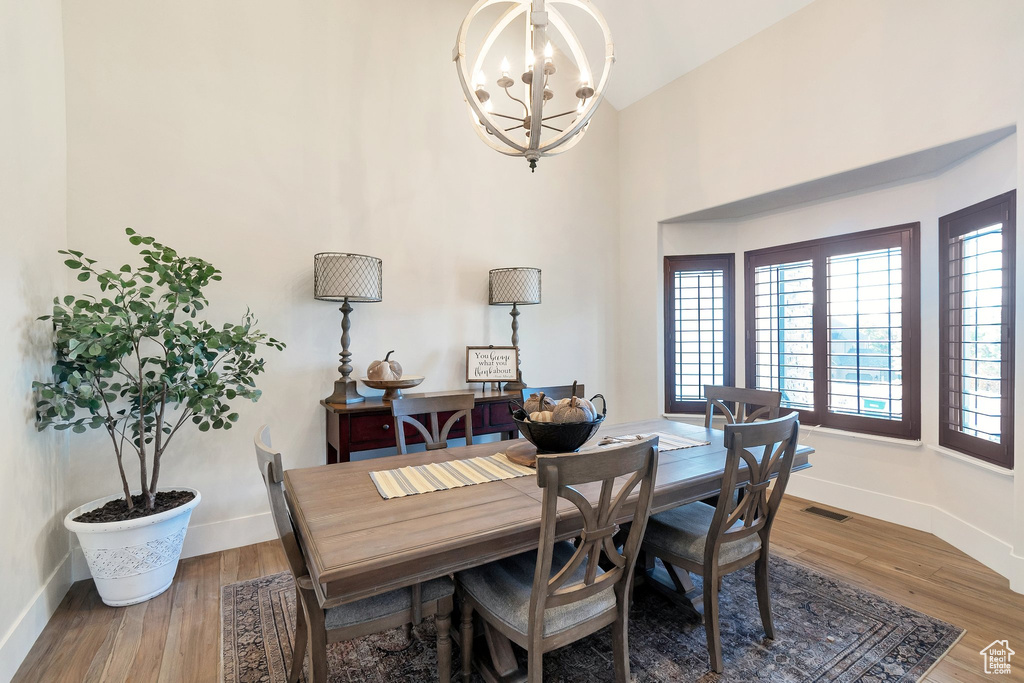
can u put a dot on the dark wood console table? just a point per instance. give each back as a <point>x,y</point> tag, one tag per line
<point>368,425</point>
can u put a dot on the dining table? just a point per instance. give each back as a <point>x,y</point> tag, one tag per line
<point>358,544</point>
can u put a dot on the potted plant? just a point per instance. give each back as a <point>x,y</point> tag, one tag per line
<point>137,362</point>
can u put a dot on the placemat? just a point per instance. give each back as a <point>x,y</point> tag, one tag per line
<point>666,441</point>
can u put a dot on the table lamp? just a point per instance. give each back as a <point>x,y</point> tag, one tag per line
<point>346,278</point>
<point>516,287</point>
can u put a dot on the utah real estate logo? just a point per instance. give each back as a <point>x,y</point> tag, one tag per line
<point>997,657</point>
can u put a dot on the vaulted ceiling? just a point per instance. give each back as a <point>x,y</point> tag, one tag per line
<point>657,41</point>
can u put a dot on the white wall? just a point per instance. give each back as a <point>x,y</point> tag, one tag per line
<point>32,224</point>
<point>834,87</point>
<point>255,134</point>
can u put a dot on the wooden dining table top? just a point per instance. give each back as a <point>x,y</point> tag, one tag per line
<point>358,544</point>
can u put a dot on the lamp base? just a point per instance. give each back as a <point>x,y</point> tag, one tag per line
<point>346,390</point>
<point>514,386</point>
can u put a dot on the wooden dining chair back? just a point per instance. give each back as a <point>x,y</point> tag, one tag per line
<point>269,462</point>
<point>559,594</point>
<point>767,449</point>
<point>713,541</point>
<point>434,435</point>
<point>560,476</point>
<point>556,393</point>
<point>750,404</point>
<point>317,626</point>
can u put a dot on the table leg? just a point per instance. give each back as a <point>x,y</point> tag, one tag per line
<point>494,658</point>
<point>677,585</point>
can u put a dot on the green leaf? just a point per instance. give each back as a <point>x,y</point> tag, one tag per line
<point>84,276</point>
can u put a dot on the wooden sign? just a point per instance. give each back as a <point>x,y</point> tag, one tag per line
<point>491,363</point>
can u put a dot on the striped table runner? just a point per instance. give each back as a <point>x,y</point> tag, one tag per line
<point>666,441</point>
<point>440,476</point>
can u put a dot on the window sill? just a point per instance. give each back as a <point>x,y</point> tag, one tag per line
<point>842,433</point>
<point>805,430</point>
<point>956,455</point>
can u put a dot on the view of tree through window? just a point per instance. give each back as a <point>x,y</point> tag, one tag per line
<point>784,338</point>
<point>865,334</point>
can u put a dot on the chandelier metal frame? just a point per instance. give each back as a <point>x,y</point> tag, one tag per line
<point>540,15</point>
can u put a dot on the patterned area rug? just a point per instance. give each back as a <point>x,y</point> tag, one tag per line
<point>826,630</point>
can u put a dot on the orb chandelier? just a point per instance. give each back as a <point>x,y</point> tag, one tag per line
<point>521,126</point>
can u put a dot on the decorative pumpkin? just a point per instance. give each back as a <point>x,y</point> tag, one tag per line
<point>573,410</point>
<point>542,416</point>
<point>538,402</point>
<point>387,370</point>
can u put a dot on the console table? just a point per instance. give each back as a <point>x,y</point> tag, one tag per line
<point>369,424</point>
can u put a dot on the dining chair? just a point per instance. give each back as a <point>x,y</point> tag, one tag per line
<point>715,541</point>
<point>460,405</point>
<point>751,404</point>
<point>352,620</point>
<point>556,393</point>
<point>545,599</point>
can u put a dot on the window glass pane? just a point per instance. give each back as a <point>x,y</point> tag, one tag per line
<point>783,318</point>
<point>975,317</point>
<point>699,320</point>
<point>864,328</point>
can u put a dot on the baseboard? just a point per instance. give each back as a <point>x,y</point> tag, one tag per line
<point>979,544</point>
<point>1017,573</point>
<point>22,634</point>
<point>205,538</point>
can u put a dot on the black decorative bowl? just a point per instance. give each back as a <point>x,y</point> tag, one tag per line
<point>550,437</point>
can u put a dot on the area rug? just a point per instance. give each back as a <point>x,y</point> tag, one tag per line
<point>826,630</point>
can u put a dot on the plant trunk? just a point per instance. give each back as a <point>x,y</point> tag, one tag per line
<point>156,474</point>
<point>124,484</point>
<point>147,495</point>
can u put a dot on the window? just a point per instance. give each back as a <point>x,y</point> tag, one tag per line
<point>699,338</point>
<point>833,324</point>
<point>976,276</point>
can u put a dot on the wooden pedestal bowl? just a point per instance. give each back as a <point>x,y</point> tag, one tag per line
<point>393,387</point>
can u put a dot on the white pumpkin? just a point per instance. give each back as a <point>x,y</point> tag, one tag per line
<point>574,410</point>
<point>539,402</point>
<point>542,416</point>
<point>387,370</point>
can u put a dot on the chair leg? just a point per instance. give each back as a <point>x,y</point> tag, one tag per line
<point>443,621</point>
<point>466,641</point>
<point>535,666</point>
<point>711,622</point>
<point>301,638</point>
<point>620,645</point>
<point>317,642</point>
<point>764,595</point>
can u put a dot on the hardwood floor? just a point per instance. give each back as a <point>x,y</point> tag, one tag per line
<point>176,636</point>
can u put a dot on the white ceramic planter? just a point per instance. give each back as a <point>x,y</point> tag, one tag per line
<point>135,560</point>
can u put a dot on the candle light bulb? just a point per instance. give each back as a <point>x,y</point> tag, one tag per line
<point>504,66</point>
<point>488,106</point>
<point>479,79</point>
<point>584,76</point>
<point>549,52</point>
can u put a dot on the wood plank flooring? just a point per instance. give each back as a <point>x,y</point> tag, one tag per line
<point>176,636</point>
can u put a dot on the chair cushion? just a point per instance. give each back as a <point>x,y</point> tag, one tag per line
<point>503,589</point>
<point>385,604</point>
<point>683,531</point>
